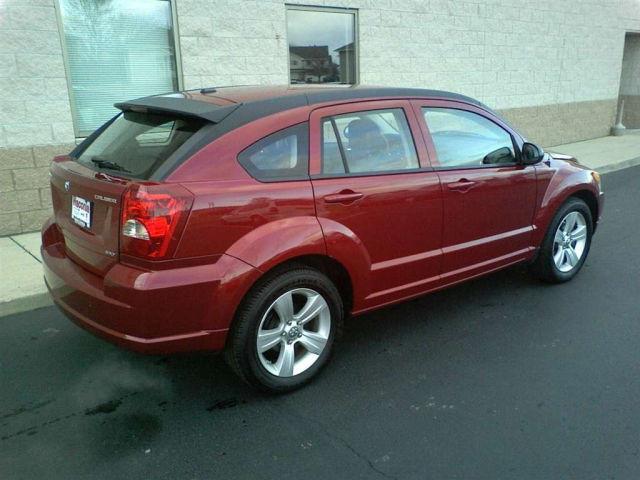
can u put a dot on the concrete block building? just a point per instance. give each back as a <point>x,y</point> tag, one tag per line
<point>556,70</point>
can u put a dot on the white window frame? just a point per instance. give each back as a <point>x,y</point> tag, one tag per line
<point>356,39</point>
<point>74,112</point>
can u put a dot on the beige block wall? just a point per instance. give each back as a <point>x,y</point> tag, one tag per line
<point>550,125</point>
<point>34,99</point>
<point>25,198</point>
<point>35,113</point>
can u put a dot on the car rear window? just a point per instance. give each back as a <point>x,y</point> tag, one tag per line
<point>136,144</point>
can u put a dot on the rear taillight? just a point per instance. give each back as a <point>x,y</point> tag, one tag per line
<point>153,217</point>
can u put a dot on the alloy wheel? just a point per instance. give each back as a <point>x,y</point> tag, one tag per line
<point>569,241</point>
<point>293,332</point>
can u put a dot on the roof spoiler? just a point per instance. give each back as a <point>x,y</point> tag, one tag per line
<point>179,106</point>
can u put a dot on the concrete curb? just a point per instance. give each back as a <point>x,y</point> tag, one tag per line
<point>25,304</point>
<point>612,167</point>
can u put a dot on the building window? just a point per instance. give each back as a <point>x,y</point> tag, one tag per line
<point>116,50</point>
<point>322,45</point>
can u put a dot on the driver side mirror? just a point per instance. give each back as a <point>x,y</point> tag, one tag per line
<point>531,153</point>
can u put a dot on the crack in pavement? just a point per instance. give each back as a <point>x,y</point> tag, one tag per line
<point>328,433</point>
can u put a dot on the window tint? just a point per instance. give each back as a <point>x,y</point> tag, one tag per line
<point>371,141</point>
<point>136,144</point>
<point>466,139</point>
<point>280,156</point>
<point>322,44</point>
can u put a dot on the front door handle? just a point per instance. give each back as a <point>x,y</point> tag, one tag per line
<point>462,185</point>
<point>345,196</point>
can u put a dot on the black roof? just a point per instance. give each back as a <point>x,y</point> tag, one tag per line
<point>278,99</point>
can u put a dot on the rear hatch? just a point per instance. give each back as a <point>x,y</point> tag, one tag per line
<point>86,207</point>
<point>89,187</point>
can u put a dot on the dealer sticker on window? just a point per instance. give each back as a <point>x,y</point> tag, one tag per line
<point>81,211</point>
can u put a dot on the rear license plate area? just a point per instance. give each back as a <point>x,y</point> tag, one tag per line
<point>81,210</point>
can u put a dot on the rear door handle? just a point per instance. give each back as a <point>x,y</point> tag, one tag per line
<point>344,196</point>
<point>462,185</point>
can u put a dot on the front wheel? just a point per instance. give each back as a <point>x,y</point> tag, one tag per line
<point>566,244</point>
<point>285,330</point>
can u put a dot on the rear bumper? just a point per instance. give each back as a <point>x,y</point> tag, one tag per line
<point>165,311</point>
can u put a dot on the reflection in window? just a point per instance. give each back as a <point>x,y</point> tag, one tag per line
<point>139,142</point>
<point>321,45</point>
<point>280,156</point>
<point>371,141</point>
<point>466,139</point>
<point>116,50</point>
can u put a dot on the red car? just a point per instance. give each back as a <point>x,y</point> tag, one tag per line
<point>254,219</point>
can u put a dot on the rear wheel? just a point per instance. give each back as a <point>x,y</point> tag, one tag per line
<point>285,330</point>
<point>566,244</point>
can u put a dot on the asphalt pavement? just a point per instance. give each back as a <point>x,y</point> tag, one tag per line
<point>500,378</point>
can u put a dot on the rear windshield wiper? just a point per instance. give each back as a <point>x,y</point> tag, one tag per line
<point>104,163</point>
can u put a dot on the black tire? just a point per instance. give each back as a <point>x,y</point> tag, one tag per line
<point>544,267</point>
<point>242,352</point>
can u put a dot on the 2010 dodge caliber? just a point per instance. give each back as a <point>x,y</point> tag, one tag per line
<point>254,219</point>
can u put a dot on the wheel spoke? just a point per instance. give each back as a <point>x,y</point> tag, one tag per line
<point>314,306</point>
<point>570,222</point>
<point>579,233</point>
<point>558,258</point>
<point>267,339</point>
<point>558,237</point>
<point>284,307</point>
<point>572,256</point>
<point>286,360</point>
<point>313,342</point>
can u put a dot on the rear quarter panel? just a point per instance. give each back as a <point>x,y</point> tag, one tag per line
<point>261,223</point>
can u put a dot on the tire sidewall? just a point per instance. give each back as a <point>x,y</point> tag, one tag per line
<point>572,205</point>
<point>281,284</point>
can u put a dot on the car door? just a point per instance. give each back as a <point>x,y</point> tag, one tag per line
<point>488,196</point>
<point>372,181</point>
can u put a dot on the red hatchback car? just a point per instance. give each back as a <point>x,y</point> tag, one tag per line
<point>254,219</point>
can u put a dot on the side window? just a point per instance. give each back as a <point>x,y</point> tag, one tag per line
<point>369,141</point>
<point>283,155</point>
<point>466,139</point>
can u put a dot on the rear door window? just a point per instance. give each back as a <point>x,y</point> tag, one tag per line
<point>136,144</point>
<point>367,142</point>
